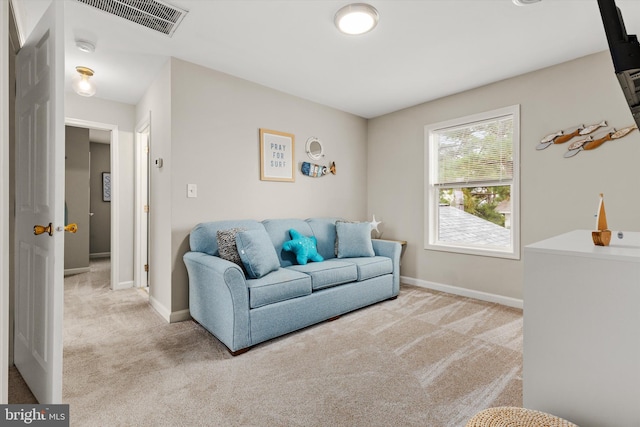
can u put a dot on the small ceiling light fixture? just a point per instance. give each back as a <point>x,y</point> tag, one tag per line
<point>81,83</point>
<point>356,18</point>
<point>524,2</point>
<point>85,46</point>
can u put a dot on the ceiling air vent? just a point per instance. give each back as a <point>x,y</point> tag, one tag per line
<point>154,14</point>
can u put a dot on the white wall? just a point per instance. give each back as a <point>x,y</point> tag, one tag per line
<point>122,115</point>
<point>557,194</point>
<point>213,141</point>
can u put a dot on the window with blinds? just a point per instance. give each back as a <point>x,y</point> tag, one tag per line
<point>472,189</point>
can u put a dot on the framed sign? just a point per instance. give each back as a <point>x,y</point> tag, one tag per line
<point>106,186</point>
<point>277,154</point>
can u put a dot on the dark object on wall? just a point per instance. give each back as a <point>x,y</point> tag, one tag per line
<point>625,53</point>
<point>106,186</point>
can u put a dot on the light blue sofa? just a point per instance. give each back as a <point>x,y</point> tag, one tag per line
<point>243,312</point>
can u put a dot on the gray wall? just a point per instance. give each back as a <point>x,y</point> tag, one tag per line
<point>76,245</point>
<point>100,221</point>
<point>557,194</point>
<point>205,125</point>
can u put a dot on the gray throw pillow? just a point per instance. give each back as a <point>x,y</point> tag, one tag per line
<point>354,239</point>
<point>335,252</point>
<point>257,253</point>
<point>227,245</point>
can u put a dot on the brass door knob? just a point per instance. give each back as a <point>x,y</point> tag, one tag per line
<point>41,229</point>
<point>71,228</point>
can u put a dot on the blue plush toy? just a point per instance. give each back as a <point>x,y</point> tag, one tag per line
<point>305,248</point>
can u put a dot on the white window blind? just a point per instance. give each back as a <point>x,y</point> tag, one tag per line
<point>476,152</point>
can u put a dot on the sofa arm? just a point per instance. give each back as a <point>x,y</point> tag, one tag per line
<point>391,250</point>
<point>219,298</point>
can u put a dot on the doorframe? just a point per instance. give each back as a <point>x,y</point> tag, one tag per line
<point>115,191</point>
<point>143,127</point>
<point>4,201</point>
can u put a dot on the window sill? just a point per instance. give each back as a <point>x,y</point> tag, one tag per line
<point>466,250</point>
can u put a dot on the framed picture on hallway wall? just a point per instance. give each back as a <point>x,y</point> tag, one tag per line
<point>106,186</point>
<point>277,154</point>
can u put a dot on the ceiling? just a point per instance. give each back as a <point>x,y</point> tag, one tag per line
<point>421,49</point>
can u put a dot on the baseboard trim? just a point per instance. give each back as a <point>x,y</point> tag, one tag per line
<point>123,285</point>
<point>180,316</point>
<point>470,293</point>
<point>70,271</point>
<point>100,255</point>
<point>170,317</point>
<point>161,309</point>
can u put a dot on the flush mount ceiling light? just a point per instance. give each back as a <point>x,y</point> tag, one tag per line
<point>356,18</point>
<point>85,46</point>
<point>524,2</point>
<point>81,83</point>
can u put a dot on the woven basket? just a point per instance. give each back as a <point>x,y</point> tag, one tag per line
<point>508,416</point>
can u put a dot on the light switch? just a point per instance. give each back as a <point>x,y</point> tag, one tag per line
<point>192,190</point>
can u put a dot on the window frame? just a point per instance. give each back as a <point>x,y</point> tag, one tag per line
<point>432,190</point>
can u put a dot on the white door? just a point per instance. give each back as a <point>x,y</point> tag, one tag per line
<point>39,293</point>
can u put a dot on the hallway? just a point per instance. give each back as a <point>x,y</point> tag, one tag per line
<point>77,287</point>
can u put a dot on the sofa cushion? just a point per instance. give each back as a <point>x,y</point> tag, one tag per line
<point>227,245</point>
<point>354,239</point>
<point>279,285</point>
<point>305,248</point>
<point>328,273</point>
<point>324,229</point>
<point>278,230</point>
<point>369,267</point>
<point>257,253</point>
<point>203,237</point>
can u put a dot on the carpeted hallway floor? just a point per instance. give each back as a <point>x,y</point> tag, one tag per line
<point>424,359</point>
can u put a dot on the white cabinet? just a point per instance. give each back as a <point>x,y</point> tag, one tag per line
<point>581,355</point>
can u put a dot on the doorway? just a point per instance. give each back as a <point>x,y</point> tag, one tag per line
<point>87,197</point>
<point>114,189</point>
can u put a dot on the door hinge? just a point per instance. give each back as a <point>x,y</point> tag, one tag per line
<point>146,268</point>
<point>146,149</point>
<point>146,208</point>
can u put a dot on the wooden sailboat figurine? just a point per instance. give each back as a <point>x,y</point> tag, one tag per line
<point>602,236</point>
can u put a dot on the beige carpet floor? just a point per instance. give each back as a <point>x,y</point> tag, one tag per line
<point>424,359</point>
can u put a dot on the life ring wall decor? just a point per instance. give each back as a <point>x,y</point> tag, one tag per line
<point>314,148</point>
